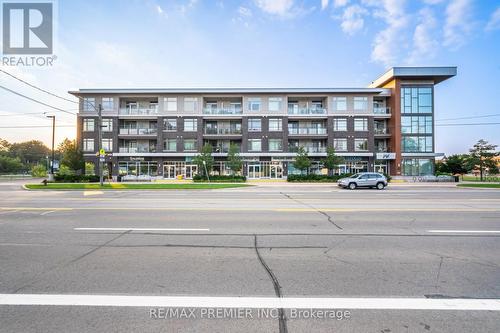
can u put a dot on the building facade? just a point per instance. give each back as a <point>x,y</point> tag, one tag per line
<point>148,133</point>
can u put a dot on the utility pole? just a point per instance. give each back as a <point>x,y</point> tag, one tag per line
<point>51,175</point>
<point>99,144</point>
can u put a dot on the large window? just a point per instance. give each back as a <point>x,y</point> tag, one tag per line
<point>361,124</point>
<point>107,144</point>
<point>170,103</point>
<point>417,166</point>
<point>275,144</point>
<point>254,104</point>
<point>416,100</point>
<point>340,104</point>
<point>88,125</point>
<point>108,103</point>
<point>190,104</point>
<point>254,145</point>
<point>170,124</point>
<point>88,145</point>
<point>340,144</point>
<point>416,124</point>
<point>170,145</point>
<point>275,124</point>
<point>275,104</point>
<point>360,103</point>
<point>107,125</point>
<point>340,124</point>
<point>416,144</point>
<point>254,125</point>
<point>89,104</point>
<point>360,144</point>
<point>190,125</point>
<point>189,144</point>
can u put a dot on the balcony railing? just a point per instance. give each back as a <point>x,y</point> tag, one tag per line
<point>136,150</point>
<point>138,131</point>
<point>306,111</point>
<point>381,131</point>
<point>306,130</point>
<point>222,111</point>
<point>381,110</point>
<point>139,111</point>
<point>222,131</point>
<point>294,149</point>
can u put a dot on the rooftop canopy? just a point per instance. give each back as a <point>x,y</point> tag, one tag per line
<point>436,74</point>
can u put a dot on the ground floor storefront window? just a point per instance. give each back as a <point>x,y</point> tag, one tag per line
<point>417,167</point>
<point>269,170</point>
<point>179,169</point>
<point>142,169</point>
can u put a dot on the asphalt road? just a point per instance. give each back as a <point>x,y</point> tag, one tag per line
<point>424,257</point>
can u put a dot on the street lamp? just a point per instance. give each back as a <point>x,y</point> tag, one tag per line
<point>51,175</point>
<point>206,171</point>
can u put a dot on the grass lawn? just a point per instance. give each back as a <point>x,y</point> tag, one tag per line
<point>131,186</point>
<point>483,185</point>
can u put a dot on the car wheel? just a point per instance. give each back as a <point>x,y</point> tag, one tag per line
<point>352,186</point>
<point>380,186</point>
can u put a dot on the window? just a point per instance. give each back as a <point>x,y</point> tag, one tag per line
<point>170,145</point>
<point>417,167</point>
<point>361,124</point>
<point>88,145</point>
<point>108,103</point>
<point>170,103</point>
<point>107,125</point>
<point>340,144</point>
<point>275,124</point>
<point>190,104</point>
<point>416,124</point>
<point>340,124</point>
<point>416,144</point>
<point>170,124</point>
<point>275,104</point>
<point>254,145</point>
<point>254,104</point>
<point>254,125</point>
<point>360,103</point>
<point>340,104</point>
<point>275,144</point>
<point>190,125</point>
<point>88,125</point>
<point>360,144</point>
<point>89,104</point>
<point>107,144</point>
<point>416,100</point>
<point>189,144</point>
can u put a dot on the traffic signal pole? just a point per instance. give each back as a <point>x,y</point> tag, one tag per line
<point>99,144</point>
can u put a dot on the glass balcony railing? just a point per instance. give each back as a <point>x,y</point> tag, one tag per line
<point>308,149</point>
<point>222,131</point>
<point>139,111</point>
<point>136,150</point>
<point>306,130</point>
<point>222,111</point>
<point>381,131</point>
<point>306,111</point>
<point>381,110</point>
<point>138,131</point>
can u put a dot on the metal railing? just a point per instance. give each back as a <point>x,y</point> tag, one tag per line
<point>306,111</point>
<point>138,111</point>
<point>138,131</point>
<point>306,130</point>
<point>381,131</point>
<point>136,150</point>
<point>294,149</point>
<point>222,111</point>
<point>222,131</point>
<point>382,110</point>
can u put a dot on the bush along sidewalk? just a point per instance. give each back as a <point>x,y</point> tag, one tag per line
<point>220,179</point>
<point>66,178</point>
<point>312,178</point>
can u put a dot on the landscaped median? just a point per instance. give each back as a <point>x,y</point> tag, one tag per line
<point>480,185</point>
<point>131,186</point>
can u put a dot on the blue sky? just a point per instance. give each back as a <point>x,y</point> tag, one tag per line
<point>264,43</point>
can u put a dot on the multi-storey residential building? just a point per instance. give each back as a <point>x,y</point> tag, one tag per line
<point>387,127</point>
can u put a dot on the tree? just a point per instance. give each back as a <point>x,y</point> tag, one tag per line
<point>234,160</point>
<point>38,170</point>
<point>30,152</point>
<point>72,156</point>
<point>332,161</point>
<point>10,165</point>
<point>482,155</point>
<point>204,160</point>
<point>302,161</point>
<point>4,146</point>
<point>454,164</point>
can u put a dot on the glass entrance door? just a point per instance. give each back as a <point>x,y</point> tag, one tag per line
<point>254,171</point>
<point>276,171</point>
<point>191,170</point>
<point>169,171</point>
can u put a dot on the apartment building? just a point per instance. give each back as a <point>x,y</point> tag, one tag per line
<point>385,127</point>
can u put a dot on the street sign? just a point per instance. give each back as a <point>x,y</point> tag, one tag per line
<point>385,156</point>
<point>102,152</point>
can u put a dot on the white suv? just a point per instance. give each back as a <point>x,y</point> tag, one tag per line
<point>364,179</point>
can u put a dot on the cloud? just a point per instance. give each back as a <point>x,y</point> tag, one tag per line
<point>324,4</point>
<point>340,3</point>
<point>160,11</point>
<point>352,19</point>
<point>243,11</point>
<point>494,22</point>
<point>281,8</point>
<point>425,42</point>
<point>458,23</point>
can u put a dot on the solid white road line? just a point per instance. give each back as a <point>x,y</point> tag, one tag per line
<point>253,302</point>
<point>465,231</point>
<point>140,229</point>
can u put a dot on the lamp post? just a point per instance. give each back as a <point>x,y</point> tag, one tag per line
<point>51,175</point>
<point>206,171</point>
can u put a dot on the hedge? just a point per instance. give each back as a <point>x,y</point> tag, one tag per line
<point>220,179</point>
<point>316,178</point>
<point>76,178</point>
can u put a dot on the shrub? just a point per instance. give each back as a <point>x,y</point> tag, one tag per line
<point>220,179</point>
<point>316,178</point>
<point>69,178</point>
<point>38,171</point>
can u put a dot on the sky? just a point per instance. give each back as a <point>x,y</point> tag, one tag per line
<point>266,43</point>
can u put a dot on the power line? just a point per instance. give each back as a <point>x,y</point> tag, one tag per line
<point>36,126</point>
<point>469,124</point>
<point>21,114</point>
<point>37,88</point>
<point>37,101</point>
<point>472,117</point>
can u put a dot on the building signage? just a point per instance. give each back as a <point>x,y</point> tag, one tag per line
<point>385,156</point>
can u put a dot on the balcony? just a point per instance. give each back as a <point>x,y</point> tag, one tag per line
<point>222,131</point>
<point>306,111</point>
<point>134,150</point>
<point>381,131</point>
<point>138,131</point>
<point>138,111</point>
<point>306,131</point>
<point>222,111</point>
<point>308,149</point>
<point>382,110</point>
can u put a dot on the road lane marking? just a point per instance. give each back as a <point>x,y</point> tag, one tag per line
<point>47,212</point>
<point>456,304</point>
<point>466,231</point>
<point>141,229</point>
<point>87,193</point>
